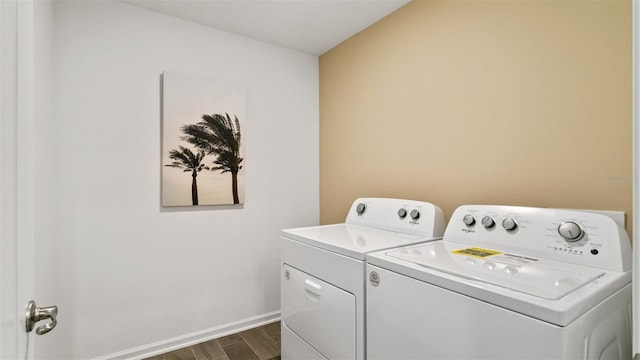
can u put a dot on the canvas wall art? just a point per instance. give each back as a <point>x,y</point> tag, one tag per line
<point>203,123</point>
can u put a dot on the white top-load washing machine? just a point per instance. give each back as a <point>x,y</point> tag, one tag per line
<point>323,274</point>
<point>505,283</point>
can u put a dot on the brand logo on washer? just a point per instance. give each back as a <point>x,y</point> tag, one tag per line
<point>374,278</point>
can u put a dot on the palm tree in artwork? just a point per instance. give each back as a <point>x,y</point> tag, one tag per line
<point>220,135</point>
<point>186,160</point>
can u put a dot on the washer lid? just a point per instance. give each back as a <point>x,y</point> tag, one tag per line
<point>541,278</point>
<point>350,240</point>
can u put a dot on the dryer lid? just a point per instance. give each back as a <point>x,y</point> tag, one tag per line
<point>351,240</point>
<point>541,278</point>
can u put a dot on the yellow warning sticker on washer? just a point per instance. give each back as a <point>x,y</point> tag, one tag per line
<point>476,252</point>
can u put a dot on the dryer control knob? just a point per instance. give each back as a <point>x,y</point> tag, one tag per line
<point>415,214</point>
<point>402,213</point>
<point>469,220</point>
<point>510,224</point>
<point>570,231</point>
<point>361,208</point>
<point>488,222</point>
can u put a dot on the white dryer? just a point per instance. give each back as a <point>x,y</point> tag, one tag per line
<point>505,283</point>
<point>323,274</point>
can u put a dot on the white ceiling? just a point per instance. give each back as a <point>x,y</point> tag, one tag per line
<point>310,26</point>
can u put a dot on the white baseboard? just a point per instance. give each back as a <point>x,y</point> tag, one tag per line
<point>182,341</point>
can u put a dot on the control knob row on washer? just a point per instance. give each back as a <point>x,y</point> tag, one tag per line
<point>570,231</point>
<point>509,224</point>
<point>361,208</point>
<point>414,214</point>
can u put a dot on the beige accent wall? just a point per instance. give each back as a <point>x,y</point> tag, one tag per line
<point>492,102</point>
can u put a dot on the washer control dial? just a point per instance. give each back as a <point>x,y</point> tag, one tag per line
<point>570,231</point>
<point>361,208</point>
<point>469,220</point>
<point>510,224</point>
<point>415,214</point>
<point>402,213</point>
<point>488,222</point>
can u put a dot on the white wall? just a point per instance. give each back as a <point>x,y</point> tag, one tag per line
<point>124,271</point>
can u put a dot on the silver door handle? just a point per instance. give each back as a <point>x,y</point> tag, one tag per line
<point>35,314</point>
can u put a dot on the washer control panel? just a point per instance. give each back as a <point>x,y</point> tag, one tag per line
<point>579,237</point>
<point>398,215</point>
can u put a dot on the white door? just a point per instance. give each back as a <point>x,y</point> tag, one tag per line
<point>16,180</point>
<point>636,180</point>
<point>8,280</point>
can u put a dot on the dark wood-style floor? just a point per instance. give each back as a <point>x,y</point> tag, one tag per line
<point>262,343</point>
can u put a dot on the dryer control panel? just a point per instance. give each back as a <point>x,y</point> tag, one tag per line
<point>572,236</point>
<point>404,216</point>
